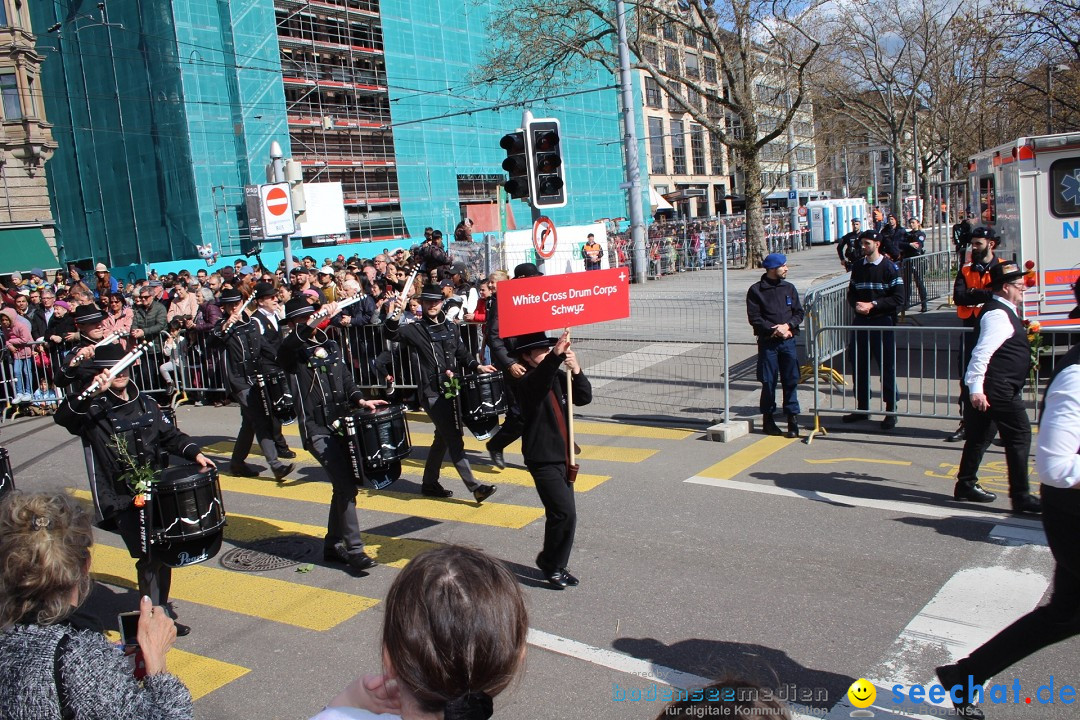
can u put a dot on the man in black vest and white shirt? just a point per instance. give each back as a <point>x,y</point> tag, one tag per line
<point>995,379</point>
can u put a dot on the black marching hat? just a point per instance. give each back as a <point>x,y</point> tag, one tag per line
<point>88,315</point>
<point>230,295</point>
<point>298,308</point>
<point>264,290</point>
<point>531,341</point>
<point>525,270</point>
<point>432,292</point>
<point>108,355</point>
<point>1003,273</point>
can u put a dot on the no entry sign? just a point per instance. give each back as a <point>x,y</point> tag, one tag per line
<point>557,301</point>
<point>277,213</point>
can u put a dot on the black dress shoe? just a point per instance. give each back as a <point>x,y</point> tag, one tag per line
<point>951,676</point>
<point>361,561</point>
<point>888,422</point>
<point>769,427</point>
<point>571,581</point>
<point>975,493</point>
<point>497,458</point>
<point>339,553</point>
<point>435,490</point>
<point>855,417</point>
<point>556,579</point>
<point>483,492</point>
<point>243,470</point>
<point>792,426</point>
<point>957,436</point>
<point>335,553</point>
<point>181,629</point>
<point>281,472</point>
<point>1027,504</point>
<point>286,453</point>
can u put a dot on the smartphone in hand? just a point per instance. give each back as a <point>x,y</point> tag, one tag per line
<point>129,635</point>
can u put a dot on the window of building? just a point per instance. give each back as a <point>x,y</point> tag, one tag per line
<point>652,54</point>
<point>9,91</point>
<point>671,60</point>
<point>653,97</point>
<point>3,14</point>
<point>807,180</point>
<point>716,153</point>
<point>678,147</point>
<point>692,65</point>
<point>671,32</point>
<point>710,69</point>
<point>657,159</point>
<point>689,37</point>
<point>693,99</point>
<point>713,109</point>
<point>697,149</point>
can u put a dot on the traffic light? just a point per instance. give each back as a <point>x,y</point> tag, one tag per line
<point>545,153</point>
<point>516,164</point>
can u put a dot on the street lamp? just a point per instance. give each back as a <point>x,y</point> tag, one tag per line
<point>1050,70</point>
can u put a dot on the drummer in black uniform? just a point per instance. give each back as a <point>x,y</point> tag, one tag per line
<point>541,394</point>
<point>266,319</point>
<point>243,349</point>
<point>118,416</point>
<point>441,353</point>
<point>75,369</point>
<point>326,393</point>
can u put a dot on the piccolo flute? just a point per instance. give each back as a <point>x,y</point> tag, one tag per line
<point>122,364</point>
<point>340,306</point>
<point>405,293</point>
<point>110,338</point>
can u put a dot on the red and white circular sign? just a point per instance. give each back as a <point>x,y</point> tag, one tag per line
<point>277,202</point>
<point>544,237</point>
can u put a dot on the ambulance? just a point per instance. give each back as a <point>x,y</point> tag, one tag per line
<point>1028,191</point>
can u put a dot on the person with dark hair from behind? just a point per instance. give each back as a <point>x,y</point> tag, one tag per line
<point>729,698</point>
<point>48,668</point>
<point>434,669</point>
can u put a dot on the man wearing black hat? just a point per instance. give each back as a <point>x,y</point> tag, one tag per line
<point>876,294</point>
<point>266,319</point>
<point>326,393</point>
<point>775,313</point>
<point>441,354</point>
<point>74,369</point>
<point>243,352</point>
<point>995,379</point>
<point>545,443</point>
<point>118,416</point>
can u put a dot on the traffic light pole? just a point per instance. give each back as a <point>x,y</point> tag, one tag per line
<point>630,148</point>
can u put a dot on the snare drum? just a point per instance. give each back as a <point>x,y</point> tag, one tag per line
<point>277,397</point>
<point>187,516</point>
<point>483,396</point>
<point>7,478</point>
<point>378,442</point>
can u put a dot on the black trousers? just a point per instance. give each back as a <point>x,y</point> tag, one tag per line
<point>154,576</point>
<point>1059,619</point>
<point>443,415</point>
<point>778,360</point>
<point>342,524</point>
<point>1010,419</point>
<point>561,514</point>
<point>255,423</point>
<point>879,346</point>
<point>512,427</point>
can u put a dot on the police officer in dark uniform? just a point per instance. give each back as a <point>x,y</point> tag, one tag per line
<point>775,313</point>
<point>912,245</point>
<point>243,350</point>
<point>326,393</point>
<point>266,319</point>
<point>75,369</point>
<point>848,249</point>
<point>118,413</point>
<point>995,380</point>
<point>442,355</point>
<point>961,237</point>
<point>541,391</point>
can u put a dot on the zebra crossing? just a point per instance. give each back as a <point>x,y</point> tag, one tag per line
<point>262,509</point>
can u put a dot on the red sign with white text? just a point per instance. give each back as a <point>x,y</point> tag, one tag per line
<point>553,302</point>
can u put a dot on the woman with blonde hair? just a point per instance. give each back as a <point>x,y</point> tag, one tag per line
<point>48,669</point>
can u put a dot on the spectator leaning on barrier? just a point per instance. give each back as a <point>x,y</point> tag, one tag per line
<point>876,293</point>
<point>150,317</point>
<point>995,379</point>
<point>971,290</point>
<point>775,313</point>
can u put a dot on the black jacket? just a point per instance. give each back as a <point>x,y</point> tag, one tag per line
<point>144,429</point>
<point>438,347</point>
<point>243,351</point>
<point>912,243</point>
<point>501,348</point>
<point>78,376</point>
<point>848,249</point>
<point>773,302</point>
<point>327,390</point>
<point>542,440</point>
<point>270,342</point>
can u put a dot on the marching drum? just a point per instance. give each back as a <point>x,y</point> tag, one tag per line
<point>378,442</point>
<point>188,516</point>
<point>277,397</point>
<point>482,401</point>
<point>7,477</point>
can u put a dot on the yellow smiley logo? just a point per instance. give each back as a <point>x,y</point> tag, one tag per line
<point>862,693</point>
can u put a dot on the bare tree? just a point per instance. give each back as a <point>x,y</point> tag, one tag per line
<point>765,54</point>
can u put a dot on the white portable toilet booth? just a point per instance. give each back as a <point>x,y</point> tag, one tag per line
<point>821,216</point>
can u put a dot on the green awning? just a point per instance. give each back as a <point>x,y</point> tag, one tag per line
<point>24,248</point>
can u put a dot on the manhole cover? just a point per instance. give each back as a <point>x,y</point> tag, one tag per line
<point>272,554</point>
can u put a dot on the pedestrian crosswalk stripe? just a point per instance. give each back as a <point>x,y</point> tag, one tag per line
<point>202,675</point>
<point>253,595</point>
<point>749,456</point>
<point>409,504</point>
<point>395,552</point>
<point>581,427</point>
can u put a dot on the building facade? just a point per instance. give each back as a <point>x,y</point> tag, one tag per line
<point>26,224</point>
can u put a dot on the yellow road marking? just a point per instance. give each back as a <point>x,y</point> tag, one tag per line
<point>202,675</point>
<point>256,596</point>
<point>225,449</point>
<point>580,426</point>
<point>874,461</point>
<point>485,473</point>
<point>449,509</point>
<point>747,457</point>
